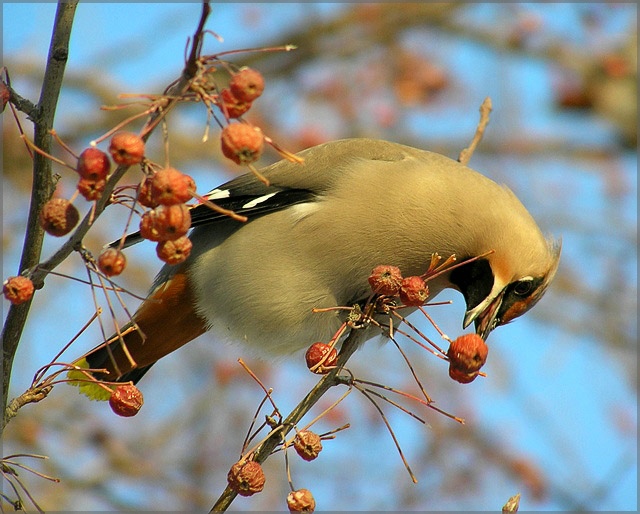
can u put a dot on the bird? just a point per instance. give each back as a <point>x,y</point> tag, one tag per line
<point>313,235</point>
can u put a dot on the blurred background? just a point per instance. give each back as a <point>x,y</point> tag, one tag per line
<point>556,418</point>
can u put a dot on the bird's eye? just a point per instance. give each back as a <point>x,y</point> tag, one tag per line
<point>523,287</point>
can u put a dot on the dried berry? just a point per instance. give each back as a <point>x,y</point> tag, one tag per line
<point>145,196</point>
<point>170,186</point>
<point>112,262</point>
<point>126,400</point>
<point>414,291</point>
<point>247,84</point>
<point>18,289</point>
<point>172,221</point>
<point>468,352</point>
<point>165,222</point>
<point>58,217</point>
<point>174,252</point>
<point>233,107</point>
<point>148,228</point>
<point>93,164</point>
<point>246,478</point>
<point>301,500</point>
<point>321,357</point>
<point>462,376</point>
<point>126,148</point>
<point>242,143</point>
<point>91,189</point>
<point>307,444</point>
<point>386,280</point>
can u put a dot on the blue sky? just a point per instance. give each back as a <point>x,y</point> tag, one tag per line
<point>577,380</point>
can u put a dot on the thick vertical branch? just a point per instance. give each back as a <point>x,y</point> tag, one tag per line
<point>42,178</point>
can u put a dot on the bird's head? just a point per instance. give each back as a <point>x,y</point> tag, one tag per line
<point>516,265</point>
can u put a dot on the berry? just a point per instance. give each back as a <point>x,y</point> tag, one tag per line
<point>247,84</point>
<point>234,107</point>
<point>246,478</point>
<point>126,400</point>
<point>385,280</point>
<point>91,189</point>
<point>414,291</point>
<point>174,252</point>
<point>145,196</point>
<point>112,262</point>
<point>242,143</point>
<point>301,500</point>
<point>126,148</point>
<point>307,444</point>
<point>165,222</point>
<point>319,353</point>
<point>148,229</point>
<point>170,186</point>
<point>18,289</point>
<point>172,221</point>
<point>93,164</point>
<point>462,376</point>
<point>58,217</point>
<point>468,352</point>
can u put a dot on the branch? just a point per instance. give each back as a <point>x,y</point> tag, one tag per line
<point>485,109</point>
<point>280,431</point>
<point>42,179</point>
<point>43,183</point>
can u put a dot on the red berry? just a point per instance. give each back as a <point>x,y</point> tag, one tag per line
<point>58,217</point>
<point>462,376</point>
<point>247,84</point>
<point>246,478</point>
<point>148,229</point>
<point>234,107</point>
<point>126,148</point>
<point>467,354</point>
<point>321,357</point>
<point>126,400</point>
<point>145,196</point>
<point>242,143</point>
<point>301,500</point>
<point>112,262</point>
<point>91,189</point>
<point>170,186</point>
<point>385,280</point>
<point>93,164</point>
<point>174,252</point>
<point>307,444</point>
<point>165,222</point>
<point>414,291</point>
<point>18,289</point>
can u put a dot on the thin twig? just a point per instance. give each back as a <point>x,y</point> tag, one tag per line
<point>485,109</point>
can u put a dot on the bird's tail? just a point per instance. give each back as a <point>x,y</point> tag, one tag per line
<point>164,322</point>
<point>108,363</point>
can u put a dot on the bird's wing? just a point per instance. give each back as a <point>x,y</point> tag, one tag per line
<point>290,182</point>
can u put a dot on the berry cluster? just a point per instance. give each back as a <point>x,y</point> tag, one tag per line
<point>388,281</point>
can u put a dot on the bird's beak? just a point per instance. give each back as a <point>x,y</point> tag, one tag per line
<point>485,315</point>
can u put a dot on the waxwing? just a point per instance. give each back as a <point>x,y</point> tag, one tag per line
<point>313,237</point>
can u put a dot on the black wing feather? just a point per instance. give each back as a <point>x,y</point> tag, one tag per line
<point>258,202</point>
